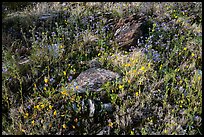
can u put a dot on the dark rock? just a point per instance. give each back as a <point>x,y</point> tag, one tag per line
<point>129,30</point>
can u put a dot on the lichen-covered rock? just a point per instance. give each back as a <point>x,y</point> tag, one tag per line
<point>92,79</point>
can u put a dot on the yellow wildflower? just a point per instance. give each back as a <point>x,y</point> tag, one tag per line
<point>110,124</point>
<point>134,71</point>
<point>180,82</point>
<point>64,73</point>
<point>64,126</point>
<point>132,132</point>
<point>50,106</point>
<point>192,54</point>
<point>46,80</point>
<point>165,131</point>
<point>137,93</point>
<point>55,113</point>
<point>142,68</point>
<point>45,88</point>
<point>199,77</point>
<point>34,85</point>
<point>185,48</point>
<point>121,86</point>
<point>160,67</point>
<point>177,69</point>
<point>42,106</point>
<point>37,107</point>
<point>64,92</point>
<point>26,115</point>
<point>127,65</point>
<point>72,99</point>
<point>77,87</point>
<point>23,130</point>
<point>149,65</point>
<point>73,126</point>
<point>129,81</point>
<point>33,122</point>
<point>61,47</point>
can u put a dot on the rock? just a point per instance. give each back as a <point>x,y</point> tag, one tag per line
<point>104,131</point>
<point>92,79</point>
<point>47,16</point>
<point>128,31</point>
<point>94,63</point>
<point>4,133</point>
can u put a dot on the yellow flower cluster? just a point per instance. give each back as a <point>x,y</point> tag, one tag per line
<point>50,106</point>
<point>64,93</point>
<point>26,115</point>
<point>38,107</point>
<point>110,124</point>
<point>61,46</point>
<point>121,86</point>
<point>127,65</point>
<point>142,68</point>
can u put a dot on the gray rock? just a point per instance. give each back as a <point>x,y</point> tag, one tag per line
<point>94,63</point>
<point>4,133</point>
<point>47,16</point>
<point>92,79</point>
<point>104,131</point>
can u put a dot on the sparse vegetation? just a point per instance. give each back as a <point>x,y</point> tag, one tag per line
<point>45,46</point>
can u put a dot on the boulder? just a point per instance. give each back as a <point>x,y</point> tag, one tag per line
<point>92,79</point>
